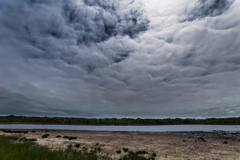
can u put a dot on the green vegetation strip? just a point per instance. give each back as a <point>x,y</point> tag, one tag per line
<point>13,149</point>
<point>21,148</point>
<point>9,131</point>
<point>114,121</point>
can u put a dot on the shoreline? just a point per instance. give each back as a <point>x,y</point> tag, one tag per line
<point>220,133</point>
<point>109,131</point>
<point>133,128</point>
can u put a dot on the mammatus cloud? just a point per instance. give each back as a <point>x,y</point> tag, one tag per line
<point>102,58</point>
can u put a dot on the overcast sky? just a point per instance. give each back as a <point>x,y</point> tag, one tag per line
<point>120,58</point>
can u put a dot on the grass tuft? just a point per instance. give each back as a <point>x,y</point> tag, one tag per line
<point>118,151</point>
<point>25,150</point>
<point>45,136</point>
<point>142,152</point>
<point>138,155</point>
<point>154,154</point>
<point>125,150</point>
<point>77,145</point>
<point>28,140</point>
<point>69,138</point>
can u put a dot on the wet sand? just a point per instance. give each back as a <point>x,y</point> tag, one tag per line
<point>167,145</point>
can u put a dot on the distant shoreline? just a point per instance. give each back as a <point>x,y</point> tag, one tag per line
<point>11,119</point>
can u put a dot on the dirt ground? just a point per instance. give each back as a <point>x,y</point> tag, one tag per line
<point>168,145</point>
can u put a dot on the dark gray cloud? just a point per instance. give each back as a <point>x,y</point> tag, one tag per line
<point>205,8</point>
<point>102,58</point>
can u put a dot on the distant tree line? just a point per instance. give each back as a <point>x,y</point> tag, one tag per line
<point>11,119</point>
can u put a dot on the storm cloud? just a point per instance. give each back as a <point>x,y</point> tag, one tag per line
<point>122,58</point>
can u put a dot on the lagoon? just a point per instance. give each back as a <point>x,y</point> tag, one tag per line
<point>155,128</point>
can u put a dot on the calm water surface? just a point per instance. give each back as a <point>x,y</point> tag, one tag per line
<point>162,128</point>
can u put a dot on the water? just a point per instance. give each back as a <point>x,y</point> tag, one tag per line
<point>157,128</point>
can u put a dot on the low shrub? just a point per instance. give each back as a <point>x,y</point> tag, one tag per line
<point>33,131</point>
<point>92,151</point>
<point>69,146</point>
<point>77,145</point>
<point>45,136</point>
<point>70,138</point>
<point>118,151</point>
<point>9,131</point>
<point>154,154</point>
<point>58,136</point>
<point>32,139</point>
<point>84,149</point>
<point>28,140</point>
<point>141,152</point>
<point>225,142</point>
<point>99,149</point>
<point>125,150</point>
<point>133,156</point>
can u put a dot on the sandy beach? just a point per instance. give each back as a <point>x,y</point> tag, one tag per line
<point>167,145</point>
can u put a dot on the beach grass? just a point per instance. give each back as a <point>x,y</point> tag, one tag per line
<point>11,148</point>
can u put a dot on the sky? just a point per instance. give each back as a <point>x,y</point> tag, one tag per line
<point>120,58</point>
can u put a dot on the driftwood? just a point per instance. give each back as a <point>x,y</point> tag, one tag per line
<point>196,138</point>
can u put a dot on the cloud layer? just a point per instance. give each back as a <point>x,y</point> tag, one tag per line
<point>103,58</point>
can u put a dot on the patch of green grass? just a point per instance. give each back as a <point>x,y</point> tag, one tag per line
<point>28,140</point>
<point>136,156</point>
<point>133,156</point>
<point>45,136</point>
<point>69,146</point>
<point>12,138</point>
<point>84,149</point>
<point>141,152</point>
<point>10,150</point>
<point>95,149</point>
